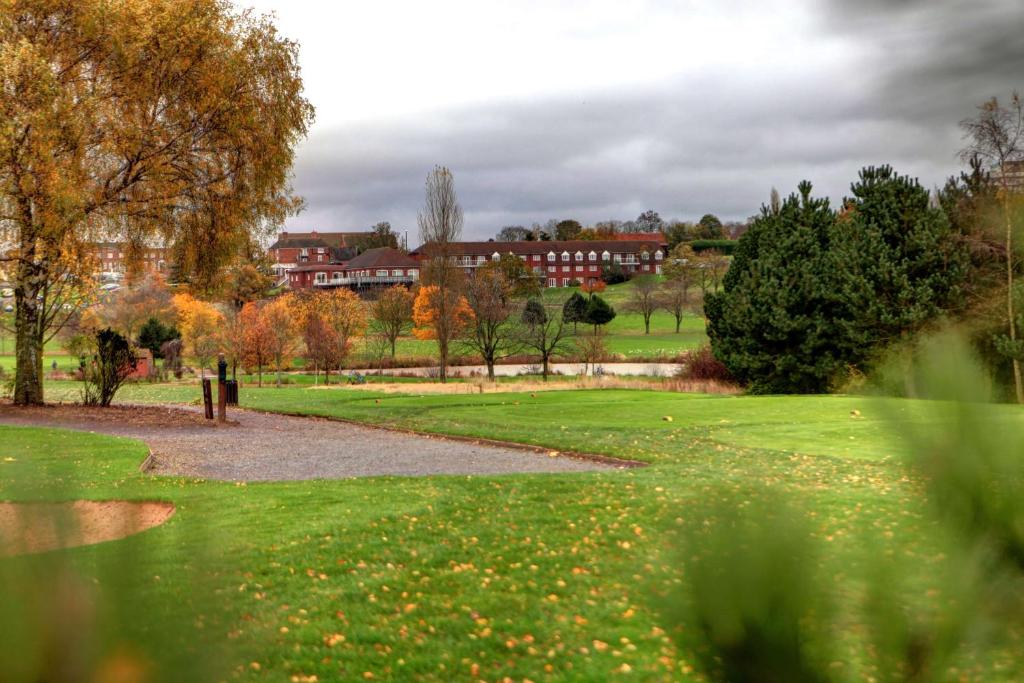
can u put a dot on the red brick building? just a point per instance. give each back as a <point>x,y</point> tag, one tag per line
<point>296,249</point>
<point>382,267</point>
<point>561,263</point>
<point>112,258</point>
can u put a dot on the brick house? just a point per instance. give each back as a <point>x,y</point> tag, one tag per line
<point>112,258</point>
<point>381,267</point>
<point>561,263</point>
<point>296,249</point>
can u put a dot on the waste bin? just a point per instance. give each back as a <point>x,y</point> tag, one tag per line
<point>231,387</point>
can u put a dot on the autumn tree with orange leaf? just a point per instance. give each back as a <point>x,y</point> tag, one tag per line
<point>257,341</point>
<point>432,306</point>
<point>281,318</point>
<point>137,120</point>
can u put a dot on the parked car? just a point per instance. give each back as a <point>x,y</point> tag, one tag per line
<point>8,309</point>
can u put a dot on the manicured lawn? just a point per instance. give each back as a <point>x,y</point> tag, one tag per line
<point>540,577</point>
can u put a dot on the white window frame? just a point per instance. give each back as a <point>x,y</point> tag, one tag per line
<point>552,256</point>
<point>566,256</point>
<point>552,282</point>
<point>579,255</point>
<point>645,256</point>
<point>382,272</point>
<point>658,256</point>
<point>606,256</point>
<point>617,258</point>
<point>495,256</point>
<point>397,272</point>
<point>320,278</point>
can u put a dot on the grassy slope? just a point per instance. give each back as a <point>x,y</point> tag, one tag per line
<point>523,576</point>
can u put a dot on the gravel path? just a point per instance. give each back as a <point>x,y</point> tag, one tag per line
<point>265,447</point>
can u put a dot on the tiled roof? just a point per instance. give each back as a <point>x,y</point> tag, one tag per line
<point>329,239</point>
<point>299,243</point>
<point>319,267</point>
<point>526,248</point>
<point>382,257</point>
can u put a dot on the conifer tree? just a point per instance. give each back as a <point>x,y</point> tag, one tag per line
<point>774,323</point>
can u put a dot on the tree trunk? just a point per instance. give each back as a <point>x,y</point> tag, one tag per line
<point>278,362</point>
<point>393,350</point>
<point>490,369</point>
<point>679,323</point>
<point>443,354</point>
<point>647,324</point>
<point>28,376</point>
<point>545,370</point>
<point>259,375</point>
<point>1010,309</point>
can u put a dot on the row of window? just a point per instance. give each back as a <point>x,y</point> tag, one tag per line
<point>337,276</point>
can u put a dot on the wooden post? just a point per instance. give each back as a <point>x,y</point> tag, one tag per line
<point>222,389</point>
<point>208,398</point>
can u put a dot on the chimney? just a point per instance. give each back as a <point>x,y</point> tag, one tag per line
<point>314,234</point>
<point>283,235</point>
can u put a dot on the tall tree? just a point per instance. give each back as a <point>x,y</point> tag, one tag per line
<point>492,331</point>
<point>513,233</point>
<point>710,227</point>
<point>200,323</point>
<point>900,264</point>
<point>280,321</point>
<point>649,221</point>
<point>678,232</point>
<point>775,324</point>
<point>177,119</point>
<point>568,229</point>
<point>257,341</point>
<point>996,135</point>
<point>643,298</point>
<point>392,314</point>
<point>545,332</point>
<point>440,227</point>
<point>599,313</point>
<point>574,310</point>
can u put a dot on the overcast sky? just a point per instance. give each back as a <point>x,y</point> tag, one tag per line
<point>601,109</point>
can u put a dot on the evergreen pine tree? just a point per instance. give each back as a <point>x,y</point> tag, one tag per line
<point>599,312</point>
<point>574,309</point>
<point>774,323</point>
<point>901,264</point>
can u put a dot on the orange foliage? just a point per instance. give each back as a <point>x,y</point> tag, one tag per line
<point>593,287</point>
<point>425,313</point>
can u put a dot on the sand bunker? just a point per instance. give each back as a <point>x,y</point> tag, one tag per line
<point>39,527</point>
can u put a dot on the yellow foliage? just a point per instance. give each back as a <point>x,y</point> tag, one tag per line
<point>426,312</point>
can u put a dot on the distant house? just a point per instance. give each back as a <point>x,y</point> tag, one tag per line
<point>112,258</point>
<point>381,267</point>
<point>296,249</point>
<point>561,263</point>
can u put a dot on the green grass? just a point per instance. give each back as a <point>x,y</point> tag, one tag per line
<point>465,578</point>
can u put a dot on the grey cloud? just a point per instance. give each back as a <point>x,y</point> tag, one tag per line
<point>715,143</point>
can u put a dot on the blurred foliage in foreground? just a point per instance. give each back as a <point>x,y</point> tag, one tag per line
<point>755,608</point>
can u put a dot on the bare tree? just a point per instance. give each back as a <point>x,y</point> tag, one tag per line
<point>643,298</point>
<point>996,135</point>
<point>492,332</point>
<point>546,332</point>
<point>674,297</point>
<point>440,226</point>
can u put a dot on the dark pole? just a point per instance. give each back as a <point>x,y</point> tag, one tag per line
<point>222,388</point>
